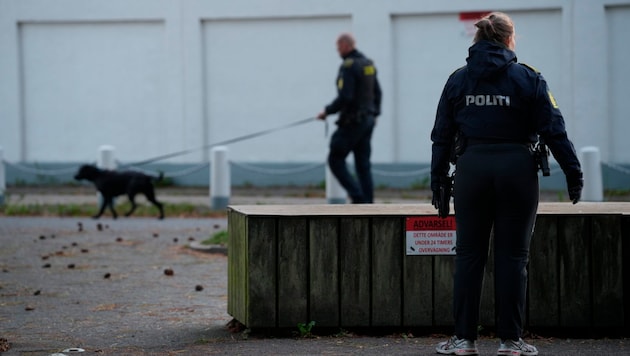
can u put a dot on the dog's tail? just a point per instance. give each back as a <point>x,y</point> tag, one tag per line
<point>159,177</point>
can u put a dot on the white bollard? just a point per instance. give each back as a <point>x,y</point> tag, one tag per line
<point>335,193</point>
<point>592,169</point>
<point>3,182</point>
<point>106,159</point>
<point>220,184</point>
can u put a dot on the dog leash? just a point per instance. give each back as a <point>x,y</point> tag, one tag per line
<point>232,140</point>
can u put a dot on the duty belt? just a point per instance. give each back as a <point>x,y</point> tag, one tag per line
<point>490,141</point>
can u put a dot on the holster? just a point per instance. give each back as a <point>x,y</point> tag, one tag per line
<point>347,118</point>
<point>458,147</point>
<point>446,190</point>
<point>541,154</point>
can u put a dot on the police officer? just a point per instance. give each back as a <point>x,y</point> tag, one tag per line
<point>498,107</point>
<point>358,103</point>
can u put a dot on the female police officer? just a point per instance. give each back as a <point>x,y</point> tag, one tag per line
<point>498,107</point>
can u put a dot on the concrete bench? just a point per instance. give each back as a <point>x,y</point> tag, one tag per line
<point>349,266</point>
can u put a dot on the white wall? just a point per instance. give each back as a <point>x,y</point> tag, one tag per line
<point>618,83</point>
<point>153,77</point>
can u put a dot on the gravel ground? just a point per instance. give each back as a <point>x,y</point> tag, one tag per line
<point>107,285</point>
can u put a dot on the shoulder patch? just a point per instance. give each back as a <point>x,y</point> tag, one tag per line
<point>530,67</point>
<point>553,101</point>
<point>348,62</point>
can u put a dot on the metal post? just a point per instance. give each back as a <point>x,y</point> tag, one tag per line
<point>3,181</point>
<point>335,194</point>
<point>592,169</point>
<point>219,178</point>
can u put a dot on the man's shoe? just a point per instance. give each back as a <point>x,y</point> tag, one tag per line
<point>455,346</point>
<point>516,348</point>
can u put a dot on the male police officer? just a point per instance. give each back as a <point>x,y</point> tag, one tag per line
<point>358,103</point>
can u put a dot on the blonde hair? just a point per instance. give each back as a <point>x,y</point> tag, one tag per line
<point>496,27</point>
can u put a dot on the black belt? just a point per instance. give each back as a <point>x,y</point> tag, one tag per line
<point>491,141</point>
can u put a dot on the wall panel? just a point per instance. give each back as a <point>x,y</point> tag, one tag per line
<point>264,73</point>
<point>87,84</point>
<point>618,19</point>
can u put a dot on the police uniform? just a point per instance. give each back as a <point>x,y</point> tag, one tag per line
<point>358,103</point>
<point>499,107</point>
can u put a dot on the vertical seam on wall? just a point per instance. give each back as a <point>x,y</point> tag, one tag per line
<point>22,92</point>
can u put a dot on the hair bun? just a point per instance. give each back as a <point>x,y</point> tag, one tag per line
<point>495,27</point>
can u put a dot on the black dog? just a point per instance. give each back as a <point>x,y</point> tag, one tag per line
<point>112,184</point>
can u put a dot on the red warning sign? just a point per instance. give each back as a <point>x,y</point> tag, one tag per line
<point>430,235</point>
<point>469,19</point>
<point>472,15</point>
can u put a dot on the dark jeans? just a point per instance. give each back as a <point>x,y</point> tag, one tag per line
<point>496,187</point>
<point>355,138</point>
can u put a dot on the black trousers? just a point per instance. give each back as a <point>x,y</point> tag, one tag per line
<point>356,138</point>
<point>496,187</point>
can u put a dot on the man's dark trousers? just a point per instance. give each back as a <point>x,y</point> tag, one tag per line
<point>356,138</point>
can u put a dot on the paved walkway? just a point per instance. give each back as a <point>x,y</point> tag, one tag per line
<point>133,287</point>
<point>86,194</point>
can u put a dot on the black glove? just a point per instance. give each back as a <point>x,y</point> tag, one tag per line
<point>575,183</point>
<point>442,197</point>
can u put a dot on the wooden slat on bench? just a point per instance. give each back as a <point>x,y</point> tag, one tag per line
<point>237,266</point>
<point>574,245</point>
<point>387,247</point>
<point>293,264</point>
<point>355,263</point>
<point>606,257</point>
<point>324,271</point>
<point>543,278</point>
<point>262,281</point>
<point>418,291</point>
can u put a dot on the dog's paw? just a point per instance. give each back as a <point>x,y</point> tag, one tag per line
<point>95,217</point>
